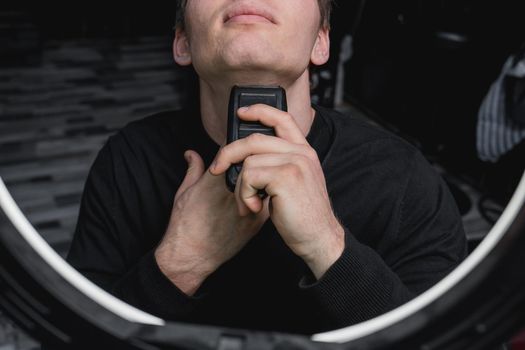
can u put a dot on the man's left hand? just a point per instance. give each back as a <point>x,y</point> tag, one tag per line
<point>288,169</point>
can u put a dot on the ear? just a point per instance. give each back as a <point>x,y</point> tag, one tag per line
<point>181,48</point>
<point>321,50</point>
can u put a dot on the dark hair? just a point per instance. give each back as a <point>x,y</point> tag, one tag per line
<point>325,6</point>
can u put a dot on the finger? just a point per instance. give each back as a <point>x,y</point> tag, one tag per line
<point>242,208</point>
<point>195,170</point>
<point>272,160</point>
<point>278,162</point>
<point>239,150</point>
<point>283,122</point>
<point>258,161</point>
<point>248,193</point>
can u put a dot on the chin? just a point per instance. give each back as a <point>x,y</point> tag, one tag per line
<point>255,63</point>
<point>256,56</point>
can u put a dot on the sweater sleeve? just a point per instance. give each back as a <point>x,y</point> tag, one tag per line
<point>429,243</point>
<point>101,252</point>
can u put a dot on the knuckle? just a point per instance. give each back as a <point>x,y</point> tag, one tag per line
<point>293,170</point>
<point>248,162</point>
<point>302,161</point>
<point>180,201</point>
<point>287,117</point>
<point>221,153</point>
<point>311,153</point>
<point>255,138</point>
<point>247,175</point>
<point>246,172</point>
<point>285,120</point>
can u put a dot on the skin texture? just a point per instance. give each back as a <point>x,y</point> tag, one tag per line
<point>269,42</point>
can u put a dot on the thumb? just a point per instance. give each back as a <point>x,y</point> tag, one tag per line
<point>193,174</point>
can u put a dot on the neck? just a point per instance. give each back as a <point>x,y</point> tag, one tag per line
<point>215,96</point>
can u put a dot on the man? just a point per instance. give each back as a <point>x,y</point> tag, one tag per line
<point>355,222</point>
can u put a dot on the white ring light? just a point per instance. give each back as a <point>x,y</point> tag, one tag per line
<point>363,329</point>
<point>100,296</point>
<point>343,335</point>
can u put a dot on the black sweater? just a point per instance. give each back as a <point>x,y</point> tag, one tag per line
<point>403,230</point>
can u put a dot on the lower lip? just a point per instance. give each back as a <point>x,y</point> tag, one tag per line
<point>248,19</point>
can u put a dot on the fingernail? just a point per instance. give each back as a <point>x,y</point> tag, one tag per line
<point>244,109</point>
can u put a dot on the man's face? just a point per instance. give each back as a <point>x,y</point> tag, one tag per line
<point>226,37</point>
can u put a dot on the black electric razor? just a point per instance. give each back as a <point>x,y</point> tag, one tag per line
<point>243,96</point>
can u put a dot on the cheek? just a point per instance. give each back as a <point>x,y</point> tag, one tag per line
<point>201,17</point>
<point>300,44</point>
<point>305,13</point>
<point>202,40</point>
<point>303,26</point>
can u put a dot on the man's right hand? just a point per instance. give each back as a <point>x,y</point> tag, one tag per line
<point>205,229</point>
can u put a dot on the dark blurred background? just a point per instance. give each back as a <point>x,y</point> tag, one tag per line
<point>425,66</point>
<point>71,75</point>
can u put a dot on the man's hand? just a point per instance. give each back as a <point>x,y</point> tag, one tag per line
<point>205,229</point>
<point>288,169</point>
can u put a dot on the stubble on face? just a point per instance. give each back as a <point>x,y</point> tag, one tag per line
<point>272,51</point>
